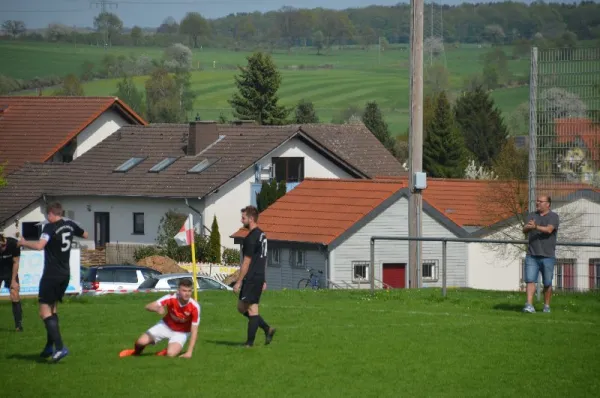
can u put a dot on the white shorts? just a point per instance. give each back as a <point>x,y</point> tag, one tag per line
<point>161,331</point>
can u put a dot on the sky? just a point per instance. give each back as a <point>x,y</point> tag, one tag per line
<point>150,13</point>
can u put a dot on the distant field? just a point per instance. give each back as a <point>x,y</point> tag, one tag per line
<point>357,76</point>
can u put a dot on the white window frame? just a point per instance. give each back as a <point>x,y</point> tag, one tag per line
<point>435,272</point>
<point>274,262</point>
<point>366,265</point>
<point>296,254</point>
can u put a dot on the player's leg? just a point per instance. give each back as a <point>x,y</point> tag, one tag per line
<point>152,336</point>
<point>255,321</point>
<point>50,292</point>
<point>16,305</point>
<point>176,343</point>
<point>547,276</point>
<point>532,270</point>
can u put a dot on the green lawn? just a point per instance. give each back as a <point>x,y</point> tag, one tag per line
<point>357,76</point>
<point>329,343</point>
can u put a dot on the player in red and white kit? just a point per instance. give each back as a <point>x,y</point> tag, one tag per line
<point>182,318</point>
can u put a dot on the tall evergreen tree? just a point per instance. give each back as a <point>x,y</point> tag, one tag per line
<point>257,98</point>
<point>214,243</point>
<point>373,119</point>
<point>444,154</point>
<point>481,125</point>
<point>305,113</point>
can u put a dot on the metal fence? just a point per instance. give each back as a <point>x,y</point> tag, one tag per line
<point>564,135</point>
<point>565,271</point>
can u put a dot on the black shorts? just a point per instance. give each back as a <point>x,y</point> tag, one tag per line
<point>251,291</point>
<point>52,290</point>
<point>7,279</point>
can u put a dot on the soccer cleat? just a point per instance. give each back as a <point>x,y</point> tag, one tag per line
<point>58,355</point>
<point>19,328</point>
<point>162,353</point>
<point>127,353</point>
<point>47,352</point>
<point>269,336</point>
<point>529,308</point>
<point>546,308</point>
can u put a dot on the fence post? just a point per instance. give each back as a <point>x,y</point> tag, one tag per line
<point>372,267</point>
<point>444,244</point>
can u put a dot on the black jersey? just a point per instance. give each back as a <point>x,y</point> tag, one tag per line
<point>11,251</point>
<point>57,252</point>
<point>255,247</point>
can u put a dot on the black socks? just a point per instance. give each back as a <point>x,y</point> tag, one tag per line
<point>252,328</point>
<point>17,313</point>
<point>261,322</point>
<point>53,332</point>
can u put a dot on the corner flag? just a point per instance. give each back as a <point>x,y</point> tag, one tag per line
<point>185,237</point>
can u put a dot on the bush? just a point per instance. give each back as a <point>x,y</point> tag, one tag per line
<point>145,251</point>
<point>231,256</point>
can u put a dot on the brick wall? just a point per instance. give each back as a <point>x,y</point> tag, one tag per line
<point>91,258</point>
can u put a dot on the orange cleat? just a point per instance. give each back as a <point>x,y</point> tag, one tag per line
<point>126,353</point>
<point>162,353</point>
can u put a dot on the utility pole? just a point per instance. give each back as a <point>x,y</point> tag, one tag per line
<point>104,5</point>
<point>415,203</point>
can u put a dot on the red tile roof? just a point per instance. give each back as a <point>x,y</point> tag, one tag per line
<point>569,130</point>
<point>320,210</point>
<point>33,129</point>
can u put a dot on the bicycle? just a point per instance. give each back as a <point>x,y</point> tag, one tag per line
<point>312,281</point>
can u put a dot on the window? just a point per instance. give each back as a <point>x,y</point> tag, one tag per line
<point>138,223</point>
<point>360,271</point>
<point>105,275</point>
<point>297,258</point>
<point>564,274</point>
<point>31,230</point>
<point>67,158</point>
<point>594,273</point>
<point>203,165</point>
<point>274,257</point>
<point>430,270</point>
<point>128,165</point>
<point>174,283</point>
<point>126,276</point>
<point>163,164</point>
<point>289,169</point>
<point>208,284</point>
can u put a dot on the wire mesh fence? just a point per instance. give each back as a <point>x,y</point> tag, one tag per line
<point>565,137</point>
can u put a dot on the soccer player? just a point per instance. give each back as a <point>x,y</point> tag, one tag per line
<point>56,240</point>
<point>182,317</point>
<point>251,281</point>
<point>9,274</point>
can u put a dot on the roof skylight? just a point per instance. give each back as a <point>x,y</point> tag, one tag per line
<point>163,164</point>
<point>128,165</point>
<point>200,167</point>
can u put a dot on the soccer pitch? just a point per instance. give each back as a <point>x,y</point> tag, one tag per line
<point>328,343</point>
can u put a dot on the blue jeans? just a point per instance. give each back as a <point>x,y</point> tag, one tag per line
<point>536,264</point>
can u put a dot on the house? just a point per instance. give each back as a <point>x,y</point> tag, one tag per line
<point>120,189</point>
<point>579,161</point>
<point>327,224</point>
<point>578,268</point>
<point>57,129</point>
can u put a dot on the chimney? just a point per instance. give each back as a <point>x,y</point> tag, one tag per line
<point>201,135</point>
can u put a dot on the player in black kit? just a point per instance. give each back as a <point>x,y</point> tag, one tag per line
<point>251,281</point>
<point>57,237</point>
<point>10,254</point>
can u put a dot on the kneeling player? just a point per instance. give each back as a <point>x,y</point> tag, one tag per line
<point>182,317</point>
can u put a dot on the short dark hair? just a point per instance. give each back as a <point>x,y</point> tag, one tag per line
<point>2,238</point>
<point>55,208</point>
<point>549,200</point>
<point>251,212</point>
<point>185,282</point>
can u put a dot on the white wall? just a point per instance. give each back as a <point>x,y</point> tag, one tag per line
<point>394,222</point>
<point>492,268</point>
<point>233,196</point>
<point>121,211</point>
<point>101,128</point>
<point>32,213</point>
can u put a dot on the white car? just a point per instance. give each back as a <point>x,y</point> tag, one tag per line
<point>114,279</point>
<point>170,282</point>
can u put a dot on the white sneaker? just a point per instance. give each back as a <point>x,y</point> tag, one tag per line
<point>529,308</point>
<point>546,308</point>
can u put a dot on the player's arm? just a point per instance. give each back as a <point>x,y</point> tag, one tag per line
<point>530,226</point>
<point>548,229</point>
<point>47,232</point>
<point>158,306</point>
<point>194,333</point>
<point>78,231</point>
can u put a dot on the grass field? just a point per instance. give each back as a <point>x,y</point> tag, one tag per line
<point>329,343</point>
<point>357,76</point>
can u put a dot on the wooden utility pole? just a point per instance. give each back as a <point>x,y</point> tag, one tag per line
<point>415,203</point>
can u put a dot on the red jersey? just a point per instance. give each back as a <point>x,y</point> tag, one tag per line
<point>180,317</point>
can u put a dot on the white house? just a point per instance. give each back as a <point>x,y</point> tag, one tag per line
<point>120,189</point>
<point>327,225</point>
<point>57,129</point>
<point>578,268</point>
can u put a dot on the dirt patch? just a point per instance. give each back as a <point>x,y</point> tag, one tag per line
<point>162,264</point>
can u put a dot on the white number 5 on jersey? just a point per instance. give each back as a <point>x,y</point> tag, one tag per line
<point>66,243</point>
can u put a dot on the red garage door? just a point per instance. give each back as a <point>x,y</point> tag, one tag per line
<point>395,275</point>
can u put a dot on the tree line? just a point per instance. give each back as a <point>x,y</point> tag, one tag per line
<point>497,23</point>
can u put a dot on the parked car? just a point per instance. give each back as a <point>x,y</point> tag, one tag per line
<point>170,282</point>
<point>112,278</point>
